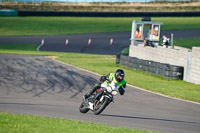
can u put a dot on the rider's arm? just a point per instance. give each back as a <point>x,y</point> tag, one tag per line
<point>104,78</point>
<point>122,89</point>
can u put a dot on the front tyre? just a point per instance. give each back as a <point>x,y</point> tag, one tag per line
<point>83,109</point>
<point>101,105</point>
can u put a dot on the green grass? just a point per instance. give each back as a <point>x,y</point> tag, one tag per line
<point>103,64</point>
<point>25,47</point>
<point>188,43</point>
<point>178,23</point>
<point>12,123</point>
<point>78,25</point>
<point>106,64</point>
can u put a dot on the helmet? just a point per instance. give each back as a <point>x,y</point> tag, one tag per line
<point>119,75</point>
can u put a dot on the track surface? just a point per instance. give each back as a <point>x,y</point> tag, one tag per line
<point>38,85</point>
<point>100,42</point>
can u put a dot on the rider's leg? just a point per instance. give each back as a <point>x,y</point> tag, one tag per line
<point>92,91</point>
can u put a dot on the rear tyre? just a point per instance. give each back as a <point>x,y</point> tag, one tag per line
<point>83,109</point>
<point>100,106</point>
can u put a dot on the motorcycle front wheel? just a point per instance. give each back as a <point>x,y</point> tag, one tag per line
<point>101,105</point>
<point>83,109</point>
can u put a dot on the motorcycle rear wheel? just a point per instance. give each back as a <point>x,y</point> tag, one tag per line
<point>82,108</point>
<point>102,104</point>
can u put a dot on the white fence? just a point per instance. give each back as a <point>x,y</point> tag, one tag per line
<point>189,59</point>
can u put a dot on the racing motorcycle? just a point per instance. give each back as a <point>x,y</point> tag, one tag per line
<point>100,99</point>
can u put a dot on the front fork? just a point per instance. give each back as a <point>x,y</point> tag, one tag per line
<point>95,97</point>
<point>92,99</point>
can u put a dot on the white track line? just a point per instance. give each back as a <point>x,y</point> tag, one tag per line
<point>129,84</point>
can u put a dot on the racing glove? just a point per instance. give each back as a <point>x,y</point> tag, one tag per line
<point>103,78</point>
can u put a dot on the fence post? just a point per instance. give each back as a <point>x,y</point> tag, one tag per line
<point>172,40</point>
<point>188,66</point>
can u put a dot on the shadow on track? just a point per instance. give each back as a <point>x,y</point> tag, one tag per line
<point>37,75</point>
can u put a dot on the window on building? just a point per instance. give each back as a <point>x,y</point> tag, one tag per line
<point>138,32</point>
<point>147,31</point>
<point>156,32</point>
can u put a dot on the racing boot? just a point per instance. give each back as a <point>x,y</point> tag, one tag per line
<point>86,96</point>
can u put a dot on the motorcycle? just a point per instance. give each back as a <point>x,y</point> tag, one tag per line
<point>100,99</point>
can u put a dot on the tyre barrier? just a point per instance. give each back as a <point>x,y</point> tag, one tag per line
<point>166,70</point>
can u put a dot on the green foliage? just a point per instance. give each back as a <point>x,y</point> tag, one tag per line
<point>11,123</point>
<point>125,51</point>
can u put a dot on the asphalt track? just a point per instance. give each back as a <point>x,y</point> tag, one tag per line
<point>100,42</point>
<point>38,85</point>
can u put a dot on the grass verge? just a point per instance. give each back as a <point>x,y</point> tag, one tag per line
<point>103,64</point>
<point>12,123</point>
<point>78,25</point>
<point>24,47</point>
<point>188,43</point>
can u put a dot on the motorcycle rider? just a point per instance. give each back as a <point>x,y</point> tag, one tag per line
<point>117,78</point>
